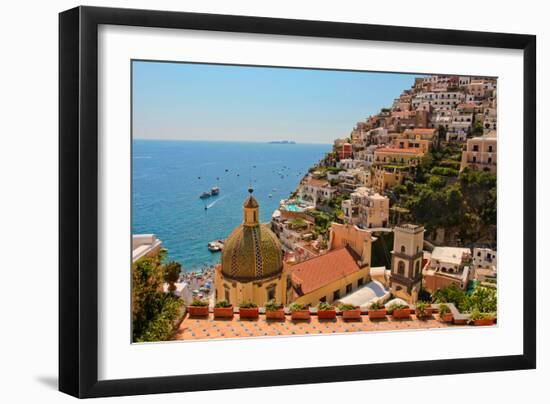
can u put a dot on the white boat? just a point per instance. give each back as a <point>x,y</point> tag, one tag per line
<point>215,246</point>
<point>215,191</point>
<point>205,195</point>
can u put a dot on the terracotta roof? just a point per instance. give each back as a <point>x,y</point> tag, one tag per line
<point>317,183</point>
<point>319,271</point>
<point>406,150</point>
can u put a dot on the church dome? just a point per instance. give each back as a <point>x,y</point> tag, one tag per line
<point>252,251</point>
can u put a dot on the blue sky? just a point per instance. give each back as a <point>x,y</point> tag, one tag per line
<point>236,103</point>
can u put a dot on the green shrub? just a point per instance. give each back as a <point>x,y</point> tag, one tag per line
<point>248,305</point>
<point>343,307</point>
<point>444,309</point>
<point>272,306</point>
<point>444,171</point>
<point>223,304</point>
<point>324,306</point>
<point>297,307</point>
<point>396,306</point>
<point>376,306</point>
<point>422,307</point>
<point>199,303</point>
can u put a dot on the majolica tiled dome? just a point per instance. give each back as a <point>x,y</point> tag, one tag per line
<point>252,251</point>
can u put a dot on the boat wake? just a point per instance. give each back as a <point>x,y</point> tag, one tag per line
<point>215,202</point>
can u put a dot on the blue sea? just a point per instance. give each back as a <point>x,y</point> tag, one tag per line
<point>169,176</point>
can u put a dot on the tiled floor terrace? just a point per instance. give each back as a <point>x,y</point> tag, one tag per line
<point>194,328</point>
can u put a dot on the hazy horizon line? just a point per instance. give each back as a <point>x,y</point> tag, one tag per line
<point>228,141</point>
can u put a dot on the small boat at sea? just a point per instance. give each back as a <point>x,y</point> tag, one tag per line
<point>215,246</point>
<point>205,195</point>
<point>215,191</point>
<point>270,195</point>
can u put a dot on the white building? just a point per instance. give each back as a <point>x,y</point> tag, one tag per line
<point>449,259</point>
<point>485,258</point>
<point>316,190</point>
<point>366,209</point>
<point>144,245</point>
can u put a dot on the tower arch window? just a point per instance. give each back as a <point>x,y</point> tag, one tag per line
<point>402,248</point>
<point>401,268</point>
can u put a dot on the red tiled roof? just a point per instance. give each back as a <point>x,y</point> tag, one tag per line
<point>319,271</point>
<point>317,183</point>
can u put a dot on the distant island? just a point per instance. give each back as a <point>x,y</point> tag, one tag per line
<point>282,142</point>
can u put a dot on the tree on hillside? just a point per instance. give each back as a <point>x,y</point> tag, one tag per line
<point>172,273</point>
<point>478,129</point>
<point>441,133</point>
<point>154,312</point>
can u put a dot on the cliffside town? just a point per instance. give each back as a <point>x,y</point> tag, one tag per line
<point>429,159</point>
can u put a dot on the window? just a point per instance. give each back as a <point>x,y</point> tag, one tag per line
<point>490,149</point>
<point>360,282</point>
<point>401,268</point>
<point>476,147</point>
<point>323,299</point>
<point>348,288</point>
<point>417,268</point>
<point>402,248</point>
<point>336,295</point>
<point>271,293</point>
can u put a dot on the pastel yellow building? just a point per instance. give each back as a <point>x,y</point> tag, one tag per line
<point>397,156</point>
<point>387,177</point>
<point>252,262</point>
<point>480,153</point>
<point>419,138</point>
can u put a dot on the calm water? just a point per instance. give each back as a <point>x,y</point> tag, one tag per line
<point>166,189</point>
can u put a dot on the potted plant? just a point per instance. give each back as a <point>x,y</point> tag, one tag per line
<point>349,311</point>
<point>377,311</point>
<point>398,311</point>
<point>478,318</point>
<point>445,313</point>
<point>248,310</point>
<point>274,311</point>
<point>223,309</point>
<point>326,311</point>
<point>299,311</point>
<point>198,308</point>
<point>423,310</point>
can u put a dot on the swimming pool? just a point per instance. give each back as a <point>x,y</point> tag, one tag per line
<point>292,207</point>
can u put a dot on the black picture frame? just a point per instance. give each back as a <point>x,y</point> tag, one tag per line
<point>78,200</point>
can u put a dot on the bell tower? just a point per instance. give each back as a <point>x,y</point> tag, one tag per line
<point>406,266</point>
<point>251,210</point>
